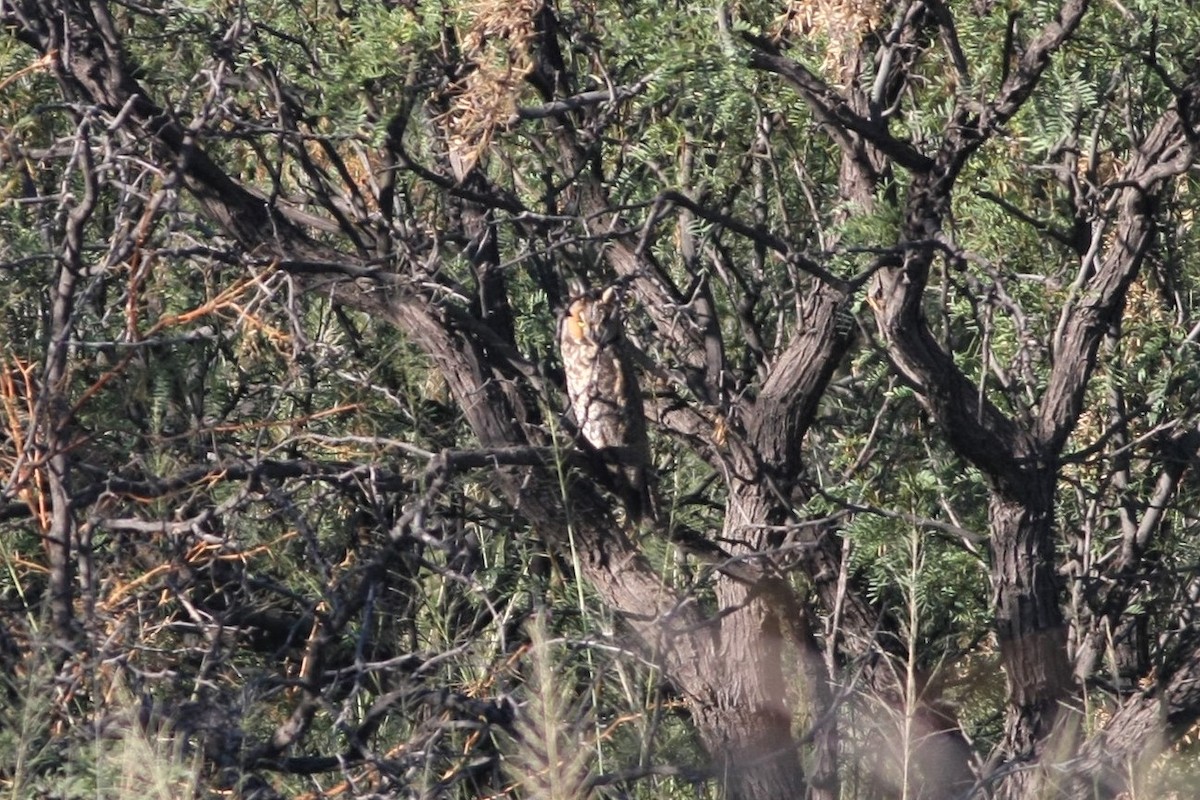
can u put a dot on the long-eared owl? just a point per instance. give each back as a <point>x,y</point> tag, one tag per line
<point>604,394</point>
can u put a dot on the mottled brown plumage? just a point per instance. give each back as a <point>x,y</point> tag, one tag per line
<point>604,393</point>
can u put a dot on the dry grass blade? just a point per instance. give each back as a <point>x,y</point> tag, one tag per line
<point>550,758</point>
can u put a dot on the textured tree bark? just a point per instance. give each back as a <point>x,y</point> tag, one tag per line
<point>1020,460</point>
<point>737,697</point>
<point>760,755</point>
<point>751,762</point>
<point>54,407</point>
<point>746,723</point>
<point>765,475</point>
<point>60,532</point>
<point>1031,631</point>
<point>731,669</point>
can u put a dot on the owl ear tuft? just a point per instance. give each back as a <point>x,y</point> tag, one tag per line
<point>576,288</point>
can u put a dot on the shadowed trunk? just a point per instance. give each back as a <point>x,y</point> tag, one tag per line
<point>1031,631</point>
<point>60,531</point>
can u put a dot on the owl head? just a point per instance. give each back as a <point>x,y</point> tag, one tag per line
<point>594,317</point>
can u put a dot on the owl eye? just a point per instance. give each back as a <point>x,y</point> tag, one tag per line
<point>574,325</point>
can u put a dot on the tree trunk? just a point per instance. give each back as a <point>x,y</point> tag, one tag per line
<point>1031,631</point>
<point>752,750</point>
<point>740,711</point>
<point>55,406</point>
<point>750,723</point>
<point>728,669</point>
<point>60,530</point>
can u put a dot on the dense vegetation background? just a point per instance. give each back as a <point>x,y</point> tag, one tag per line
<point>290,501</point>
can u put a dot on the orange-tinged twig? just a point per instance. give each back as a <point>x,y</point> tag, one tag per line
<point>222,300</point>
<point>507,791</point>
<point>290,421</point>
<point>118,593</point>
<point>624,719</point>
<point>27,475</point>
<point>43,63</point>
<point>200,548</point>
<point>139,269</point>
<point>308,660</point>
<point>215,477</point>
<point>10,392</point>
<point>32,566</point>
<point>201,552</point>
<point>270,331</point>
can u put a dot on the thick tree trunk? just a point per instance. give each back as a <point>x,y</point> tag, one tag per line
<point>1032,633</point>
<point>741,712</point>
<point>60,530</point>
<point>753,757</point>
<point>752,728</point>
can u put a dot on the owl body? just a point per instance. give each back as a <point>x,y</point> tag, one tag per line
<point>605,398</point>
